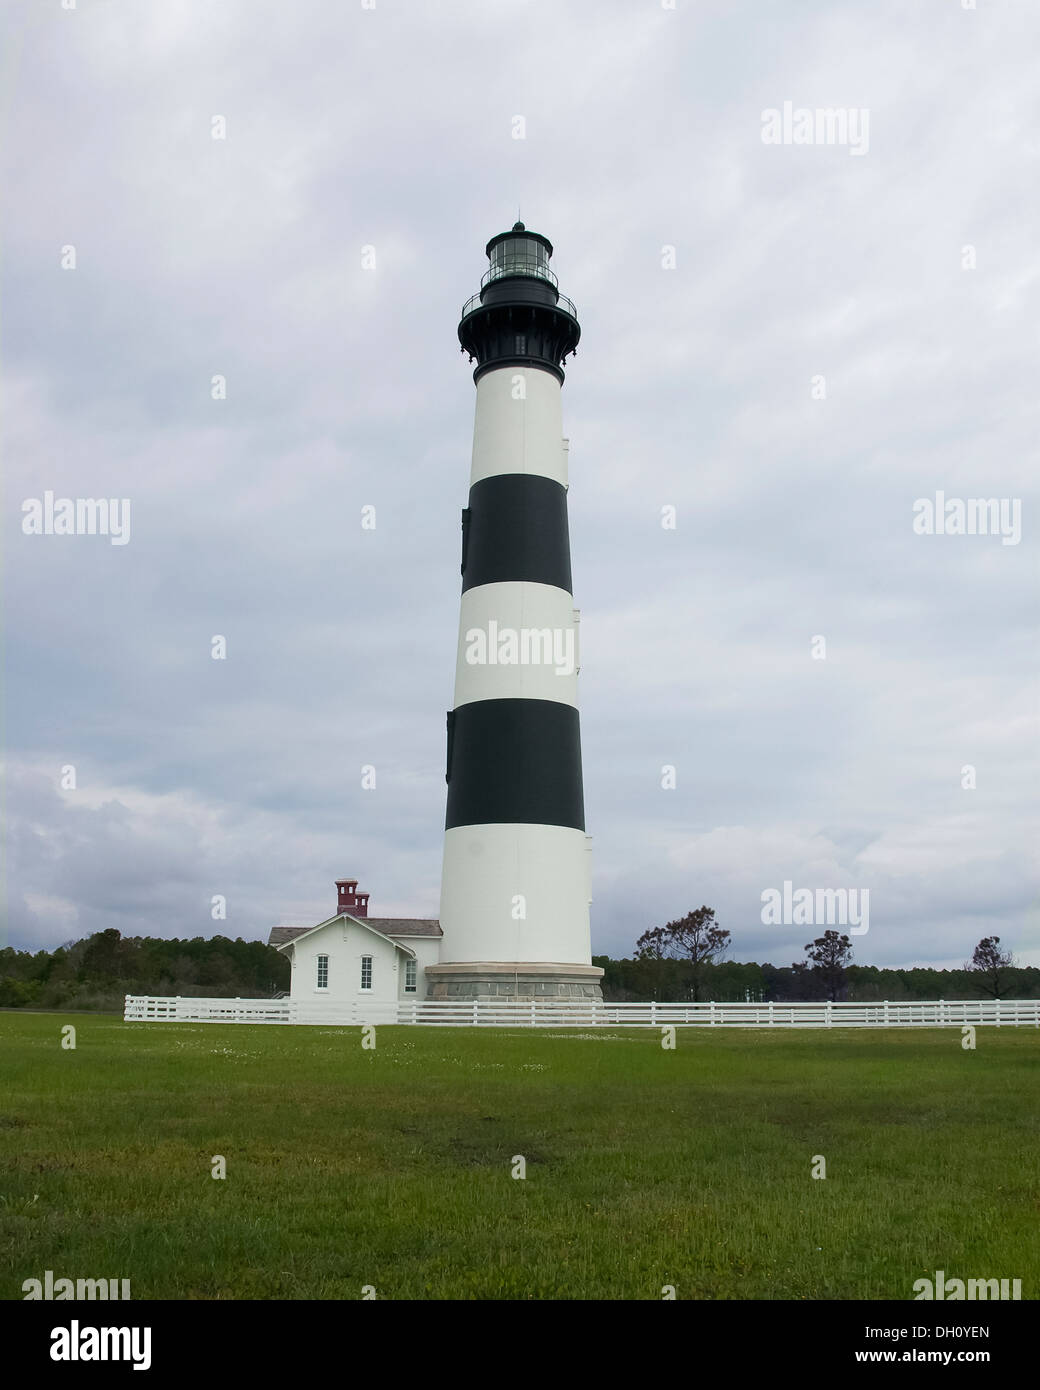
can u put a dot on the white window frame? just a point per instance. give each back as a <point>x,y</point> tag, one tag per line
<point>366,961</point>
<point>322,963</point>
<point>411,974</point>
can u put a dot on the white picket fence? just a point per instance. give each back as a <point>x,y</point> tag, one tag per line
<point>157,1009</point>
<point>538,1013</point>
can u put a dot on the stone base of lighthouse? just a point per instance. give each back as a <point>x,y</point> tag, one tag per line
<point>503,980</point>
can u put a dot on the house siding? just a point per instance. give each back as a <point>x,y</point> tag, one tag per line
<point>344,942</point>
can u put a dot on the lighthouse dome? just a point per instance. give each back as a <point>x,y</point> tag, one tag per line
<point>519,252</point>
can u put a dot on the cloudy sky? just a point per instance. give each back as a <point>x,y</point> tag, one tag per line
<point>787,343</point>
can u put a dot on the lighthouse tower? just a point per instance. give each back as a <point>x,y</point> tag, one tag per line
<point>515,890</point>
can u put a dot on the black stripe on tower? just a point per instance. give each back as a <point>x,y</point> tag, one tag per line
<point>515,530</point>
<point>515,761</point>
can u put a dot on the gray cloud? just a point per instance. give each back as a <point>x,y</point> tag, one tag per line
<point>391,128</point>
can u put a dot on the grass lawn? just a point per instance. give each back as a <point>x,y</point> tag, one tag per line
<point>392,1167</point>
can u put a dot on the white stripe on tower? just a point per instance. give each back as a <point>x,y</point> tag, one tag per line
<point>499,446</point>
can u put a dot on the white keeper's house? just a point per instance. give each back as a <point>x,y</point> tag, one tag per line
<point>354,958</point>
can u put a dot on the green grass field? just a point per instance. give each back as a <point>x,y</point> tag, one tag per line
<point>392,1167</point>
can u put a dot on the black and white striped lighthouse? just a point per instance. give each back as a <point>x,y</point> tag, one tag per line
<point>515,889</point>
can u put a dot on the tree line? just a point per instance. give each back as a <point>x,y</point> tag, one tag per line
<point>97,972</point>
<point>685,960</point>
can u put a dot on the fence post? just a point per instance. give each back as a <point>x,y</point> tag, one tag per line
<point>532,1014</point>
<point>828,1013</point>
<point>997,1002</point>
<point>886,1013</point>
<point>712,1013</point>
<point>770,1013</point>
<point>653,1012</point>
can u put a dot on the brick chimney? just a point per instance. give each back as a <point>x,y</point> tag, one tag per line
<point>349,899</point>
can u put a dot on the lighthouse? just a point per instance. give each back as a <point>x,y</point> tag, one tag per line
<point>516,881</point>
